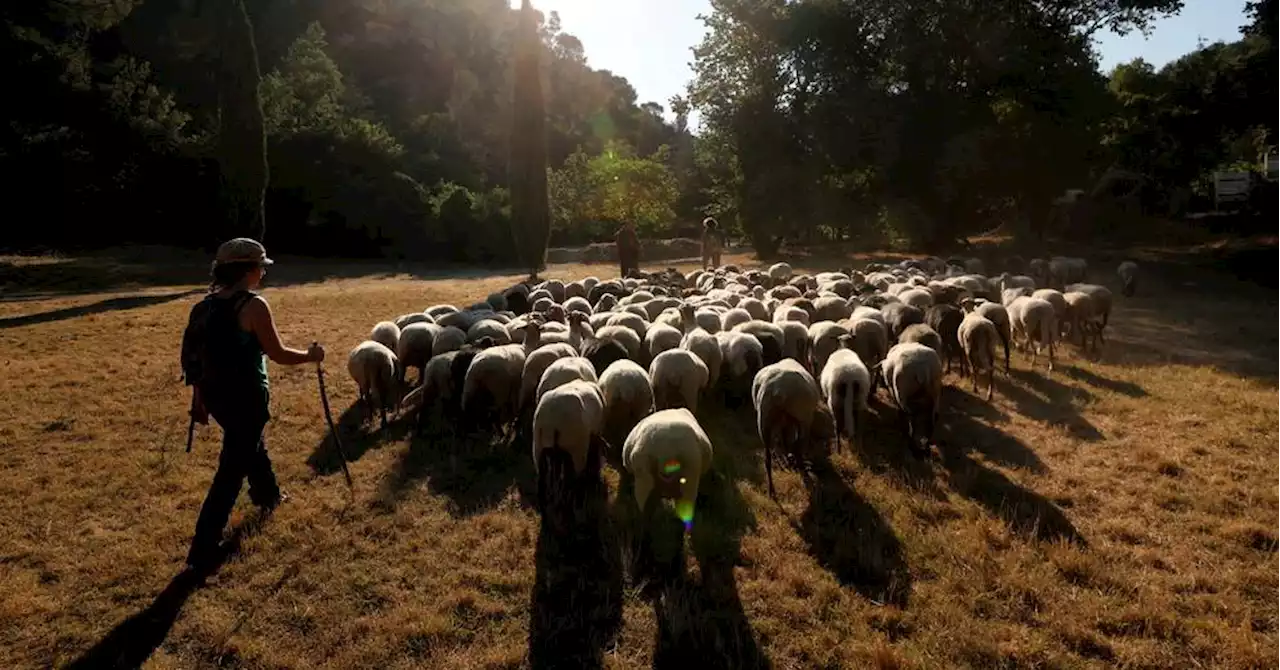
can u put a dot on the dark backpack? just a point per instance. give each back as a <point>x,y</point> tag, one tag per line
<point>197,367</point>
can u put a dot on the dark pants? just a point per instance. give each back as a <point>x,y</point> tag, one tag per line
<point>244,456</point>
<point>628,260</point>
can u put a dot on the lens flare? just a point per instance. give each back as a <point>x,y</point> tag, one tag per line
<point>671,467</point>
<point>684,510</point>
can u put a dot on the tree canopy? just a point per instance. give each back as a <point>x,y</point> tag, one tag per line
<point>392,128</point>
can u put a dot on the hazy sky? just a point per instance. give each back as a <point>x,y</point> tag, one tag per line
<point>648,41</point>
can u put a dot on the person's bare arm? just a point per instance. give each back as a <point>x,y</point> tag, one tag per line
<point>263,325</point>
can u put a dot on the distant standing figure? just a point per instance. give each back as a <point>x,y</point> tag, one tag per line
<point>628,248</point>
<point>712,243</point>
<point>229,336</point>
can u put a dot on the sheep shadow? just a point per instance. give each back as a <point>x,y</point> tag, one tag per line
<point>703,624</point>
<point>1124,388</point>
<point>1056,407</point>
<point>473,470</point>
<point>851,539</point>
<point>961,413</point>
<point>576,609</point>
<point>702,621</point>
<point>885,450</point>
<point>1024,511</point>
<point>357,440</point>
<point>108,305</point>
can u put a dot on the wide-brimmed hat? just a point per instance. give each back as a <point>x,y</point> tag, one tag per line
<point>242,250</point>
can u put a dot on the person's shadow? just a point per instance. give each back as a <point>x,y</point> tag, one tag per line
<point>133,640</point>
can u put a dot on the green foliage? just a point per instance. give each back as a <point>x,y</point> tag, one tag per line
<point>371,112</point>
<point>925,118</point>
<point>592,196</point>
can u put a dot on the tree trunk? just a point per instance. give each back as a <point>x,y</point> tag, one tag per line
<point>242,141</point>
<point>530,210</point>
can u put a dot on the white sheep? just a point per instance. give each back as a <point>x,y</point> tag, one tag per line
<point>660,338</point>
<point>1007,281</point>
<point>414,349</point>
<point>734,317</point>
<point>624,336</point>
<point>562,371</point>
<point>414,317</point>
<point>437,311</point>
<point>495,372</point>
<point>1128,271</point>
<point>667,454</point>
<point>628,395</point>
<point>917,297</point>
<point>913,373</point>
<point>1034,321</point>
<point>387,334</point>
<point>635,322</point>
<point>449,338</point>
<point>535,363</point>
<point>845,382</point>
<point>755,308</point>
<point>780,273</point>
<point>824,339</point>
<point>1102,300</point>
<point>1054,297</point>
<point>997,314</point>
<point>978,338</point>
<point>373,367</point>
<point>678,376</point>
<point>494,330</point>
<point>789,408</point>
<point>1082,318</point>
<point>567,420</point>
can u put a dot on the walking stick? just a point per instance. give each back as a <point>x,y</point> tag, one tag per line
<point>191,432</point>
<point>328,416</point>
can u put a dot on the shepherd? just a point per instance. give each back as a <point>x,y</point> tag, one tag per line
<point>628,244</point>
<point>229,336</point>
<point>712,243</point>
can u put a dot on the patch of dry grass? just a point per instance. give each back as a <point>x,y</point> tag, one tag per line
<point>1122,513</point>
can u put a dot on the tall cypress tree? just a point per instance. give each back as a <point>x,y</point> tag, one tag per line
<point>527,171</point>
<point>242,139</point>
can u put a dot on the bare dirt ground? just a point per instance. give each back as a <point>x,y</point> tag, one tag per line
<point>1119,513</point>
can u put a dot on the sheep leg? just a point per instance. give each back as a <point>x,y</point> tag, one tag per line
<point>991,381</point>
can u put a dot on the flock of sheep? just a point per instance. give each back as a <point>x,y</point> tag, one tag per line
<point>576,367</point>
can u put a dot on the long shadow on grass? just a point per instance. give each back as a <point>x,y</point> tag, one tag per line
<point>701,623</point>
<point>135,639</point>
<point>108,305</point>
<point>1124,388</point>
<point>576,609</point>
<point>358,438</point>
<point>971,433</point>
<point>885,450</point>
<point>1057,406</point>
<point>473,470</point>
<point>852,540</point>
<point>1025,511</point>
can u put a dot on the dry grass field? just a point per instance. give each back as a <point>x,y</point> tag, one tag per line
<point>1121,513</point>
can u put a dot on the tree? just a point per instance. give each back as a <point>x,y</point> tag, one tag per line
<point>242,139</point>
<point>530,214</point>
